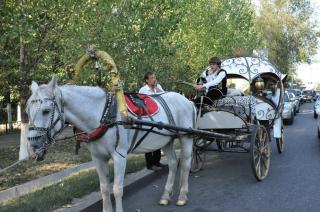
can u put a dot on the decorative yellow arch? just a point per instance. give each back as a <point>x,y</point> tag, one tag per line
<point>93,54</point>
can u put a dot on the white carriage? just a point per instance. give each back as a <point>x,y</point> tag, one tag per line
<point>251,120</point>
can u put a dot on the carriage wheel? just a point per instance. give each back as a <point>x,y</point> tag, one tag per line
<point>198,155</point>
<point>280,141</point>
<point>260,152</point>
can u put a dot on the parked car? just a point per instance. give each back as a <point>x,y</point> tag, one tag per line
<point>316,94</point>
<point>316,114</point>
<point>308,95</point>
<point>288,110</point>
<point>298,93</point>
<point>296,102</point>
<point>316,105</point>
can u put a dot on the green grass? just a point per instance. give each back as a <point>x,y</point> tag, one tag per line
<point>60,156</point>
<point>59,194</point>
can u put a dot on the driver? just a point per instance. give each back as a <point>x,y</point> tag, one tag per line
<point>215,83</point>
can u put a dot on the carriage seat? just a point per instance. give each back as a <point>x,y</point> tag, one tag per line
<point>239,105</point>
<point>234,92</point>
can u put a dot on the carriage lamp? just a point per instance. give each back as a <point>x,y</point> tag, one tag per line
<point>259,84</point>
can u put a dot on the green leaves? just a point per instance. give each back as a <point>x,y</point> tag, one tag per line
<point>287,31</point>
<point>173,38</point>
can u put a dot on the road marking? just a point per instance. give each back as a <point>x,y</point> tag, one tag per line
<point>306,112</point>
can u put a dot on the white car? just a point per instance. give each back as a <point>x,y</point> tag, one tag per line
<point>288,110</point>
<point>317,113</point>
<point>316,105</point>
<point>296,102</point>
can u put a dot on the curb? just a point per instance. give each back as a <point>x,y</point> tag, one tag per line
<point>93,201</point>
<point>28,187</point>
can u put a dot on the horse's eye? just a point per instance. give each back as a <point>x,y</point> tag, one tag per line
<point>45,112</point>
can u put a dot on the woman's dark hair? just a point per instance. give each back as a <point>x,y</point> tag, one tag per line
<point>147,74</point>
<point>215,60</point>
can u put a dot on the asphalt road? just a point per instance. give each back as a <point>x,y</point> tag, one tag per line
<point>227,183</point>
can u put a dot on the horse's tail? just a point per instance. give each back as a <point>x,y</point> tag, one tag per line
<point>194,115</point>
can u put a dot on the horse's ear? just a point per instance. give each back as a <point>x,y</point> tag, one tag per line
<point>34,86</point>
<point>53,83</point>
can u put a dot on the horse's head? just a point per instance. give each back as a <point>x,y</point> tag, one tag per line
<point>46,116</point>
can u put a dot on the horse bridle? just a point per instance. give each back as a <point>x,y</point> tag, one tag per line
<point>46,131</point>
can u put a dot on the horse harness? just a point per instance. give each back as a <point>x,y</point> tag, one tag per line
<point>134,143</point>
<point>107,120</point>
<point>46,131</point>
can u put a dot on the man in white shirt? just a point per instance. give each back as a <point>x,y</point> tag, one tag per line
<point>152,87</point>
<point>216,78</point>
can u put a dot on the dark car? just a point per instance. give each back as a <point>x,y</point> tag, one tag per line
<point>308,95</point>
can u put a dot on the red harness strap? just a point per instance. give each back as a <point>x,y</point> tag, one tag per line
<point>90,136</point>
<point>150,109</point>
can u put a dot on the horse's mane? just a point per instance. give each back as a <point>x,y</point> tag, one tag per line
<point>43,90</point>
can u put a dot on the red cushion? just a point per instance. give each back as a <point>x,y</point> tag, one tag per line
<point>151,106</point>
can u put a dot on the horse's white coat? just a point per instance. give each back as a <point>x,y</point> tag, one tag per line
<point>83,108</point>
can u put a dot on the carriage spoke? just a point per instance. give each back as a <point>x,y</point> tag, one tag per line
<point>262,169</point>
<point>257,142</point>
<point>260,135</point>
<point>257,167</point>
<point>257,161</point>
<point>264,140</point>
<point>263,149</point>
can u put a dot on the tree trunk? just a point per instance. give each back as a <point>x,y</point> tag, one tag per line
<point>9,113</point>
<point>19,113</point>
<point>24,92</point>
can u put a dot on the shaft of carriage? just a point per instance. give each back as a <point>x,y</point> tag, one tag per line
<point>178,130</point>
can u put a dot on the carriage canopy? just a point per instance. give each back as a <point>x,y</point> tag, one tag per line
<point>250,68</point>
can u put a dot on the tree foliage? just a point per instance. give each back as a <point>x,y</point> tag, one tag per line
<point>173,38</point>
<point>287,31</point>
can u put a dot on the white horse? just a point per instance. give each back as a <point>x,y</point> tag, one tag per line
<point>51,105</point>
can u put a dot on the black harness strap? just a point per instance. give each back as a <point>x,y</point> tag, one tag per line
<point>134,144</point>
<point>134,138</point>
<point>166,109</point>
<point>142,138</point>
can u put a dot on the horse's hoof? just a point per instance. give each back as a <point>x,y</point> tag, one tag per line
<point>164,202</point>
<point>181,202</point>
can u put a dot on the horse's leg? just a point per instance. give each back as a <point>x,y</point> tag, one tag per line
<point>103,172</point>
<point>119,172</point>
<point>172,163</point>
<point>186,153</point>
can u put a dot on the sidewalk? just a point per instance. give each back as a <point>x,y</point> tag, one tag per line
<point>14,139</point>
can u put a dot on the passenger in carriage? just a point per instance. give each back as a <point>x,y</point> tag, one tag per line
<point>214,80</point>
<point>152,87</point>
